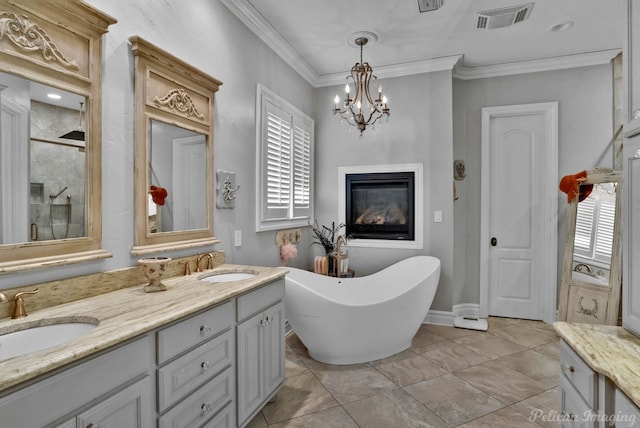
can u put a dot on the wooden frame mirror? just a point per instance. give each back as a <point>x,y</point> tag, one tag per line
<point>591,272</point>
<point>52,46</point>
<point>173,152</point>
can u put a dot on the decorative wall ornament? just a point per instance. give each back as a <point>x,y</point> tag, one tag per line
<point>459,170</point>
<point>29,36</point>
<point>227,189</point>
<point>179,99</point>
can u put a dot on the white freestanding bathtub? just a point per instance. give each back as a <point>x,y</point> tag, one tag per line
<point>354,320</point>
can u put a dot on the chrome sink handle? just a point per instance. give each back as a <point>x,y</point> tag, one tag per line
<point>18,309</point>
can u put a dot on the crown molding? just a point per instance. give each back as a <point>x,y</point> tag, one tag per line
<point>534,66</point>
<point>397,70</point>
<point>250,17</point>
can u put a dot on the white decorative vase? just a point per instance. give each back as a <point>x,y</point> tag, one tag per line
<point>154,268</point>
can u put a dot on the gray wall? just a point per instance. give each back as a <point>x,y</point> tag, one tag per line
<point>207,35</point>
<point>433,118</point>
<point>585,127</point>
<point>419,130</point>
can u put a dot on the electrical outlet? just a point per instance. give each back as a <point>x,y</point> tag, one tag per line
<point>238,238</point>
<point>437,216</point>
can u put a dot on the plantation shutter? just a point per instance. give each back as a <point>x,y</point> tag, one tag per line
<point>604,233</point>
<point>284,164</point>
<point>277,163</point>
<point>584,227</point>
<point>301,169</point>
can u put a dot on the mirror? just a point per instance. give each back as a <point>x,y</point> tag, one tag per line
<point>46,162</point>
<point>50,162</point>
<point>590,286</point>
<point>173,152</point>
<point>178,176</point>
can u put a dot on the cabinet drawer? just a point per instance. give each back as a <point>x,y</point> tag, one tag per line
<point>260,299</point>
<point>200,406</point>
<point>64,392</point>
<point>224,419</point>
<point>185,374</point>
<point>184,335</point>
<point>581,376</point>
<point>574,412</point>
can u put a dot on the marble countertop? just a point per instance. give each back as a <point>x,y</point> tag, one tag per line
<point>124,314</point>
<point>609,350</point>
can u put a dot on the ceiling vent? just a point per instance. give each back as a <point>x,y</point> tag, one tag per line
<point>503,17</point>
<point>429,5</point>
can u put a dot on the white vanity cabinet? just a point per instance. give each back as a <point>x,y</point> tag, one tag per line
<point>114,386</point>
<point>627,414</point>
<point>261,348</point>
<point>196,369</point>
<point>585,396</point>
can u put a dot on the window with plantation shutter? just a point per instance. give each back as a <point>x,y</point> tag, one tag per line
<point>595,224</point>
<point>284,163</point>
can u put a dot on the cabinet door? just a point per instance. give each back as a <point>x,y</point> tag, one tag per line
<point>127,408</point>
<point>273,348</point>
<point>631,282</point>
<point>250,365</point>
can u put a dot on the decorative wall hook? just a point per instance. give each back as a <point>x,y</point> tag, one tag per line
<point>459,170</point>
<point>227,189</point>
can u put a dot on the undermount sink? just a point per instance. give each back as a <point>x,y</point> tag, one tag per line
<point>228,277</point>
<point>32,338</point>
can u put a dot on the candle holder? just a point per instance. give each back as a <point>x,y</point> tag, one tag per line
<point>154,268</point>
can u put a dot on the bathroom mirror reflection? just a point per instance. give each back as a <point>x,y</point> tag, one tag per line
<point>593,240</point>
<point>43,169</point>
<point>177,177</point>
<point>591,272</point>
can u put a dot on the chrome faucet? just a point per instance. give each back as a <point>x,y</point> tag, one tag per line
<point>208,257</point>
<point>339,243</point>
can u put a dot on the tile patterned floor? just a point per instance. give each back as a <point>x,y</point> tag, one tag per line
<point>448,378</point>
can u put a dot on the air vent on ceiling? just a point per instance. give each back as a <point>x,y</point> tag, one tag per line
<point>429,5</point>
<point>503,17</point>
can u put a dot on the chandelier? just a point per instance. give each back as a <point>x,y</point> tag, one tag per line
<point>354,111</point>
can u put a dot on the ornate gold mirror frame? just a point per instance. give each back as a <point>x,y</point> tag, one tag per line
<point>589,289</point>
<point>59,44</point>
<point>172,93</point>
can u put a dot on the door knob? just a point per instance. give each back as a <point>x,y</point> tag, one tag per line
<point>494,241</point>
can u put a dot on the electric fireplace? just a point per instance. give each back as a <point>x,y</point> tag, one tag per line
<point>380,205</point>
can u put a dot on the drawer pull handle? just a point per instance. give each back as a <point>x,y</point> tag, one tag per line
<point>269,319</point>
<point>204,330</point>
<point>568,368</point>
<point>263,322</point>
<point>206,408</point>
<point>205,366</point>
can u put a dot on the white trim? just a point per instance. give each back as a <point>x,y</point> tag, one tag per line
<point>548,287</point>
<point>471,310</point>
<point>416,168</point>
<point>250,17</point>
<point>439,318</point>
<point>537,65</point>
<point>446,63</point>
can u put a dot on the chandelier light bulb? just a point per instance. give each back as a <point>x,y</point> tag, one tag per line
<point>347,89</point>
<point>384,99</point>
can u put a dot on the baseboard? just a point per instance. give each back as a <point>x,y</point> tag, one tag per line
<point>446,318</point>
<point>439,318</point>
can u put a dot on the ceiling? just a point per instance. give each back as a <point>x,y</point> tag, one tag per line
<point>313,36</point>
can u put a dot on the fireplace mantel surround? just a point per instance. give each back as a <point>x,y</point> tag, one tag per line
<point>418,203</point>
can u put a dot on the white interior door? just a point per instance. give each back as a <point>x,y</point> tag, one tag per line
<point>519,211</point>
<point>189,183</point>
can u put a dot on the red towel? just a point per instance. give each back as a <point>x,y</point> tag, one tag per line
<point>570,184</point>
<point>158,194</point>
